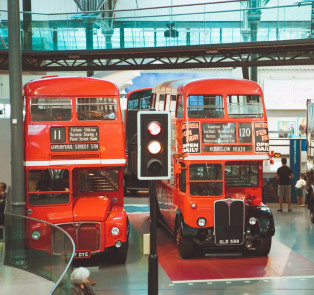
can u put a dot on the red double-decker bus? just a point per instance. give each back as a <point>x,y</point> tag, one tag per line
<point>219,139</point>
<point>74,161</point>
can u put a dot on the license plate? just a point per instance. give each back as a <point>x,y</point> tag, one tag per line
<point>82,254</point>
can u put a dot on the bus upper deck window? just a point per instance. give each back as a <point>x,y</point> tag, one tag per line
<point>89,109</point>
<point>200,106</point>
<point>173,103</point>
<point>180,107</point>
<point>245,106</point>
<point>51,109</point>
<point>161,104</point>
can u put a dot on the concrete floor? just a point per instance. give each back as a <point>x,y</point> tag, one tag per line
<point>288,270</point>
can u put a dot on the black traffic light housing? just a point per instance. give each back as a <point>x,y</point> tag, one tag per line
<point>153,145</point>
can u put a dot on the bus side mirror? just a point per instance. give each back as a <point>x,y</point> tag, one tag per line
<point>177,168</point>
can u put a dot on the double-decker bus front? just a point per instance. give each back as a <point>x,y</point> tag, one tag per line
<point>219,143</point>
<point>74,161</point>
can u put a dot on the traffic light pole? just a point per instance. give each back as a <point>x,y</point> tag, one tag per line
<point>153,258</point>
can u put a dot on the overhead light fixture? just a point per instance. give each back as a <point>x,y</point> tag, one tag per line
<point>171,32</point>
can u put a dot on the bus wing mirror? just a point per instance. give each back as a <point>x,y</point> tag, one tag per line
<point>177,169</point>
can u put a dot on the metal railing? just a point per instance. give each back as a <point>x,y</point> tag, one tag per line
<point>182,25</point>
<point>39,247</point>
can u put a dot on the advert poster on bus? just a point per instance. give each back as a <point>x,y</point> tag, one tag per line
<point>191,137</point>
<point>219,133</point>
<point>261,137</point>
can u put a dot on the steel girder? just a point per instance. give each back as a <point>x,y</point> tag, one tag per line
<point>274,53</point>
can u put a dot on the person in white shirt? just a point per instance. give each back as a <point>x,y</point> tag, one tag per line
<point>299,187</point>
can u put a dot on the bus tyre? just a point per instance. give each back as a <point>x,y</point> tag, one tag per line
<point>262,246</point>
<point>185,244</point>
<point>120,254</point>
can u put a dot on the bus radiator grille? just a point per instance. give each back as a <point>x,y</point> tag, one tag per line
<point>229,222</point>
<point>86,236</point>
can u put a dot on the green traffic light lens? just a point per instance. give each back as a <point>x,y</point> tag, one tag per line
<point>154,166</point>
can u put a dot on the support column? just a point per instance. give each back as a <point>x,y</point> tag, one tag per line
<point>17,143</point>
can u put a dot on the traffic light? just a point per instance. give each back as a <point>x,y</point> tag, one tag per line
<point>153,145</point>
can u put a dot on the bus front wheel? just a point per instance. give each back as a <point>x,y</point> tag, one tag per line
<point>120,254</point>
<point>262,246</point>
<point>185,244</point>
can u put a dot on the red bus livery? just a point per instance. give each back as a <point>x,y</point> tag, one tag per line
<point>74,161</point>
<point>219,141</point>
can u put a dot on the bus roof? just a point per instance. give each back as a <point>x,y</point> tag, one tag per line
<point>70,86</point>
<point>209,86</point>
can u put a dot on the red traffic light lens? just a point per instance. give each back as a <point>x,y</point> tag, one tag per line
<point>154,128</point>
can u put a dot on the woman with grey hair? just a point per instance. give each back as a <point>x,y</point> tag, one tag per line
<point>81,283</point>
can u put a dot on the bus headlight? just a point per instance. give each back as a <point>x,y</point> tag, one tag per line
<point>252,221</point>
<point>201,222</point>
<point>35,235</point>
<point>115,230</point>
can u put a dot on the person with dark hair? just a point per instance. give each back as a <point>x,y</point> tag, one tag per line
<point>284,176</point>
<point>81,283</point>
<point>3,197</point>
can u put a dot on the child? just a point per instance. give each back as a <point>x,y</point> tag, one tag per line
<point>299,186</point>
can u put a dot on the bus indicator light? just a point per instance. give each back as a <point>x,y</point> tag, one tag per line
<point>153,145</point>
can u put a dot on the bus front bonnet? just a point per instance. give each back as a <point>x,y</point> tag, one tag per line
<point>91,209</point>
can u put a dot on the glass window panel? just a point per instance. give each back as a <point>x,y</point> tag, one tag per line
<point>206,179</point>
<point>180,107</point>
<point>205,172</point>
<point>161,102</point>
<point>100,108</point>
<point>51,109</point>
<point>200,106</point>
<point>98,180</point>
<point>206,188</point>
<point>245,106</point>
<point>173,105</point>
<point>52,180</point>
<point>241,175</point>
